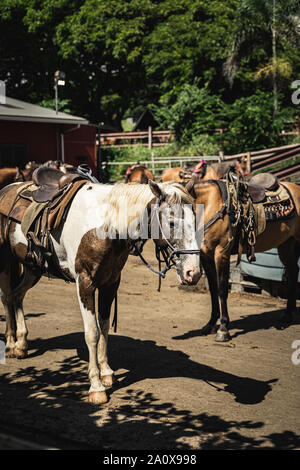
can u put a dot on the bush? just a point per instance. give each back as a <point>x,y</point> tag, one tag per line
<point>249,122</point>
<point>252,125</point>
<point>202,145</point>
<point>135,154</point>
<point>199,145</point>
<point>195,112</point>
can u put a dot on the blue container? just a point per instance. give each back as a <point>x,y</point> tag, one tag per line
<point>267,266</point>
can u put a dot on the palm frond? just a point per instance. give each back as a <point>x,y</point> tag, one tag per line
<point>275,67</point>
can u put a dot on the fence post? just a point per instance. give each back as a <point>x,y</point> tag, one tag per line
<point>249,162</point>
<point>221,155</point>
<point>149,137</point>
<point>153,163</point>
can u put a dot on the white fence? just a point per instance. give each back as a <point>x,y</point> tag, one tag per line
<point>157,166</point>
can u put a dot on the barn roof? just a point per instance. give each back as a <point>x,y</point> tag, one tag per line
<point>16,110</point>
<point>145,120</point>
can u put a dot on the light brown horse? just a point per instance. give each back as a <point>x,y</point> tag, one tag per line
<point>8,175</point>
<point>215,251</point>
<point>138,174</point>
<point>201,171</point>
<point>12,175</point>
<point>221,168</point>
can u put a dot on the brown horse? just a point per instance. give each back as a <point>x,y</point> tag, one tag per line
<point>12,175</point>
<point>138,174</point>
<point>201,171</point>
<point>216,250</point>
<point>221,168</point>
<point>8,175</point>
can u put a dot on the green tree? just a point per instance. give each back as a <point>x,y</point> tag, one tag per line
<point>268,24</point>
<point>252,125</point>
<point>188,41</point>
<point>97,43</point>
<point>195,112</point>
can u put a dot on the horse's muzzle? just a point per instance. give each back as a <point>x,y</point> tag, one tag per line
<point>191,276</point>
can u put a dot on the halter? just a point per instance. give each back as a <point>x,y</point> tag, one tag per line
<point>168,253</point>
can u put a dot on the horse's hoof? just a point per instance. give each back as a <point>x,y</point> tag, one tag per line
<point>97,398</point>
<point>9,352</point>
<point>108,380</point>
<point>209,329</point>
<point>20,353</point>
<point>222,336</point>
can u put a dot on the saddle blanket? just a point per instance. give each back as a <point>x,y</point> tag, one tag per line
<point>277,205</point>
<point>17,204</point>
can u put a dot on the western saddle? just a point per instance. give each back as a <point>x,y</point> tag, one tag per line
<point>253,203</point>
<point>50,183</point>
<point>259,184</point>
<point>40,206</point>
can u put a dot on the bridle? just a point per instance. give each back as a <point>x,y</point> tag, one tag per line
<point>224,209</point>
<point>164,254</point>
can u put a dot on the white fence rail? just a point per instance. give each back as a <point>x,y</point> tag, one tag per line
<point>157,166</point>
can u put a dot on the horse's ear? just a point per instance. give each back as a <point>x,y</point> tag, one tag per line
<point>190,186</point>
<point>156,189</point>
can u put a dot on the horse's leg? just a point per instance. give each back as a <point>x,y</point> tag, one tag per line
<point>211,274</point>
<point>21,346</point>
<point>13,304</point>
<point>86,298</point>
<point>289,253</point>
<point>105,299</point>
<point>10,331</point>
<point>223,266</point>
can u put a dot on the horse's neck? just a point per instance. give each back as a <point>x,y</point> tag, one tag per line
<point>210,174</point>
<point>209,196</point>
<point>7,175</point>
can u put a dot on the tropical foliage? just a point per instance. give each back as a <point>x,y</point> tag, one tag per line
<point>200,65</point>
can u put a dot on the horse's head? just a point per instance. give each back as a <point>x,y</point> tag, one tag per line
<point>173,229</point>
<point>23,175</point>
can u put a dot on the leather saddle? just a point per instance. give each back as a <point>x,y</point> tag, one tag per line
<point>50,183</point>
<point>40,206</point>
<point>259,184</point>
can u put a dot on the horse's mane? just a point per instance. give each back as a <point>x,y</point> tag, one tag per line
<point>137,196</point>
<point>142,194</point>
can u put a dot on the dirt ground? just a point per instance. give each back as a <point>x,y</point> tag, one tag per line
<point>176,388</point>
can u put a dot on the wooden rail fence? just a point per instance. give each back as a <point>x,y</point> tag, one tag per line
<point>149,138</point>
<point>257,160</point>
<point>260,160</point>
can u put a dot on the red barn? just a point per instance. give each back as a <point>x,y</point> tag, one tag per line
<point>32,133</point>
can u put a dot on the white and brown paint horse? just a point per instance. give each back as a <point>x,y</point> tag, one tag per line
<point>86,250</point>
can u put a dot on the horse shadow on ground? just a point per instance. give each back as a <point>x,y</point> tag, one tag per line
<point>144,359</point>
<point>250,323</point>
<point>28,315</point>
<point>47,405</point>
